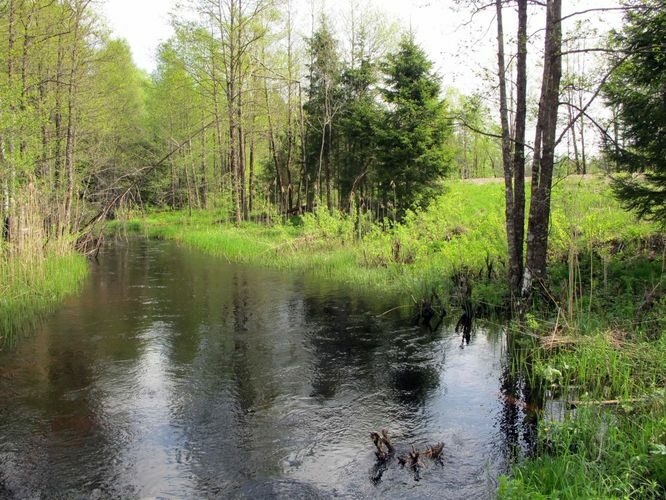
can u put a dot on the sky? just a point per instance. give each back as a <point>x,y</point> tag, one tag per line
<point>143,23</point>
<point>463,51</point>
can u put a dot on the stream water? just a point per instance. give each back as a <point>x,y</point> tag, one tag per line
<point>177,375</point>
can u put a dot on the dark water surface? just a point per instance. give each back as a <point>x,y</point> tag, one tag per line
<point>175,374</point>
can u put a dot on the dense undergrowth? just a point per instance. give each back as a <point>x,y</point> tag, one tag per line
<point>31,286</point>
<point>598,335</point>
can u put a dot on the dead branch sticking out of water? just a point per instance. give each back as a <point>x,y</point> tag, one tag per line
<point>383,444</point>
<point>426,312</point>
<point>434,452</point>
<point>385,452</point>
<point>413,458</point>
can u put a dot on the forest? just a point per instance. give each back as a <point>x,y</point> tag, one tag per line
<point>323,141</point>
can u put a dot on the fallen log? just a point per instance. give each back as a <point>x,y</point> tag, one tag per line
<point>607,402</point>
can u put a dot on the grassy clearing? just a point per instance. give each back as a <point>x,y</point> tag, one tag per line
<point>31,287</point>
<point>600,336</point>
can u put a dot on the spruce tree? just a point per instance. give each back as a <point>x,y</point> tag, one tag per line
<point>415,130</point>
<point>360,119</point>
<point>320,111</point>
<point>637,92</point>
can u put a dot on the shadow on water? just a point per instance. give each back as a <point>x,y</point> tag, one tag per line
<point>177,374</point>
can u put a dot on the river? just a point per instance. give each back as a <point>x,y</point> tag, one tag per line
<point>174,374</point>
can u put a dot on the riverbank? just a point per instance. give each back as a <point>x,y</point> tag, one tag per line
<point>461,232</point>
<point>31,287</point>
<point>600,338</point>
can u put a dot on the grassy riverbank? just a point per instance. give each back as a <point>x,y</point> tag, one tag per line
<point>33,286</point>
<point>601,337</point>
<point>462,231</point>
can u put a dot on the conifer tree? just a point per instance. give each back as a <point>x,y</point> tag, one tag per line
<point>636,91</point>
<point>415,130</point>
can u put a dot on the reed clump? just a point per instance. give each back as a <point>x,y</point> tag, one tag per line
<point>29,288</point>
<point>38,269</point>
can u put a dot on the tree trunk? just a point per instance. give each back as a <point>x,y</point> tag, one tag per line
<point>204,169</point>
<point>574,139</point>
<point>69,137</point>
<point>582,134</point>
<point>231,66</point>
<point>290,110</point>
<point>329,120</point>
<point>519,149</point>
<point>8,181</point>
<point>506,152</point>
<point>239,108</point>
<point>58,173</point>
<point>303,176</point>
<point>251,192</point>
<point>273,149</point>
<point>544,152</point>
<point>241,162</point>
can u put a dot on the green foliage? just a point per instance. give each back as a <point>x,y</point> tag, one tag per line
<point>474,155</point>
<point>595,454</point>
<point>72,123</point>
<point>358,132</point>
<point>321,108</point>
<point>636,92</point>
<point>120,125</point>
<point>175,111</point>
<point>415,130</point>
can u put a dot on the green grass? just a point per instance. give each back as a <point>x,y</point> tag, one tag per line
<point>30,288</point>
<point>596,454</point>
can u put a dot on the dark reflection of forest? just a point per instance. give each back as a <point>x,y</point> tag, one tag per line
<point>175,373</point>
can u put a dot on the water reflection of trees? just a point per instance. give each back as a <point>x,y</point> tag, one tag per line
<point>352,346</point>
<point>519,407</point>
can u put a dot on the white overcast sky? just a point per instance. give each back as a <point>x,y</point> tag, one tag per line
<point>461,51</point>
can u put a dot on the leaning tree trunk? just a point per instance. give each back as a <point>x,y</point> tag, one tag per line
<point>69,137</point>
<point>544,151</point>
<point>9,168</point>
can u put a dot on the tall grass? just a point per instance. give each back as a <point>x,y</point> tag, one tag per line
<point>596,454</point>
<point>32,286</point>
